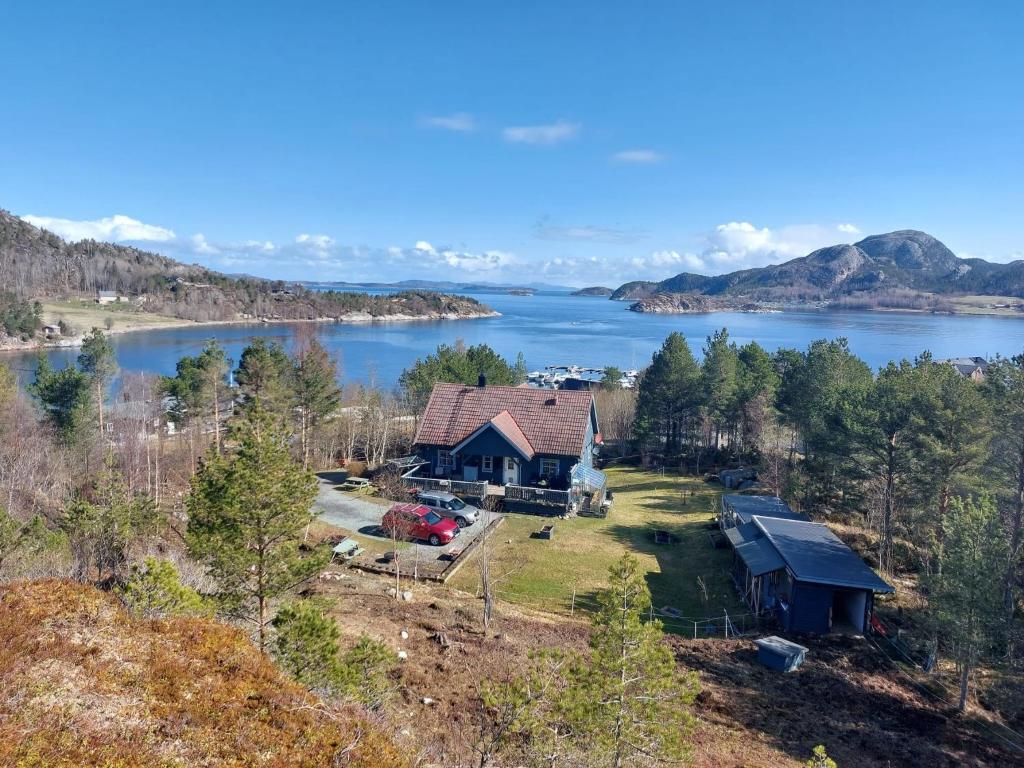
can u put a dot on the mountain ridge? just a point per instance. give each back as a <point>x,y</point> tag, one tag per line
<point>903,260</point>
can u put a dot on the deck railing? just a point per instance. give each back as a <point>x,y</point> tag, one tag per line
<point>536,495</point>
<point>458,487</point>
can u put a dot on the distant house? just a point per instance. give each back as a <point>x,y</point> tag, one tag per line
<point>803,572</point>
<point>50,330</point>
<point>108,297</point>
<point>507,435</point>
<point>973,368</point>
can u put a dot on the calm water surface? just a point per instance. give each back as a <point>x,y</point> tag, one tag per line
<point>553,329</point>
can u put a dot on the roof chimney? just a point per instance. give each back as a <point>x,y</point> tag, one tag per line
<point>481,381</point>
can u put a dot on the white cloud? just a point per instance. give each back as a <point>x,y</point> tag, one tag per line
<point>638,156</point>
<point>461,122</point>
<point>553,133</point>
<point>201,246</point>
<point>741,245</point>
<point>318,242</point>
<point>849,229</point>
<point>116,229</point>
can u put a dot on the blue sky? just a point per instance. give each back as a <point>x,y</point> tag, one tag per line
<point>569,142</point>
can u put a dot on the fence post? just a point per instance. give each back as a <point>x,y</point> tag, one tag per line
<point>695,630</point>
<point>726,612</point>
<point>572,606</point>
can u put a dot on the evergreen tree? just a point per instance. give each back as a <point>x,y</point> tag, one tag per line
<point>102,525</point>
<point>719,377</point>
<point>629,698</point>
<point>1004,390</point>
<point>820,759</point>
<point>610,378</point>
<point>953,431</point>
<point>199,388</point>
<point>668,395</point>
<point>66,399</point>
<point>305,644</point>
<point>8,385</point>
<point>264,375</point>
<point>459,365</point>
<point>155,590</point>
<point>247,513</point>
<point>98,361</point>
<point>316,394</point>
<point>22,538</point>
<point>886,433</point>
<point>757,382</point>
<point>967,592</point>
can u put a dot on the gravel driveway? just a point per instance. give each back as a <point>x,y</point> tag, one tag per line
<point>358,515</point>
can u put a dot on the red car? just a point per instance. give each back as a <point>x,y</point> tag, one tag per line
<point>417,522</point>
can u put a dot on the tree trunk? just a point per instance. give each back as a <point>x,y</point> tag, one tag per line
<point>964,679</point>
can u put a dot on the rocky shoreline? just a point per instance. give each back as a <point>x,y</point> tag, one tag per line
<point>692,304</point>
<point>12,344</point>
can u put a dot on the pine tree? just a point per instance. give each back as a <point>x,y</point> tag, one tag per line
<point>668,395</point>
<point>305,644</point>
<point>459,365</point>
<point>967,593</point>
<point>155,590</point>
<point>264,375</point>
<point>247,513</point>
<point>316,394</point>
<point>66,399</point>
<point>102,525</point>
<point>629,697</point>
<point>719,378</point>
<point>98,361</point>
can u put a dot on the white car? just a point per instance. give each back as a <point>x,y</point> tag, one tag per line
<point>449,505</point>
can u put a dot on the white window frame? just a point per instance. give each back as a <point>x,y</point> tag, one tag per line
<point>445,459</point>
<point>487,463</point>
<point>548,464</point>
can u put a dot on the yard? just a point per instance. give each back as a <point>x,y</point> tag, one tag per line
<point>546,574</point>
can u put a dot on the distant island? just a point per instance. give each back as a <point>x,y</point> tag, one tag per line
<point>904,270</point>
<point>52,291</point>
<point>594,290</point>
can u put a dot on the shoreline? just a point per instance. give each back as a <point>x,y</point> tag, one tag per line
<point>360,318</point>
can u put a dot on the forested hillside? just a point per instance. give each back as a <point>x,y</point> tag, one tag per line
<point>36,264</point>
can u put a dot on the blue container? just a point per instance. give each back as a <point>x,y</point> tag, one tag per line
<point>781,655</point>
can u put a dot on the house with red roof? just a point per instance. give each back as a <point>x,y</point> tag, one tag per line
<point>507,435</point>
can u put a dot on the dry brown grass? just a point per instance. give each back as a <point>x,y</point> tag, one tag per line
<point>86,684</point>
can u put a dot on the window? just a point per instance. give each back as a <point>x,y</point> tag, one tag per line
<point>510,463</point>
<point>487,463</point>
<point>548,467</point>
<point>445,459</point>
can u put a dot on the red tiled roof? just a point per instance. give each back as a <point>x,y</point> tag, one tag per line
<point>551,422</point>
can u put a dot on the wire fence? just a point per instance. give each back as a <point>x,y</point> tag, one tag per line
<point>724,624</point>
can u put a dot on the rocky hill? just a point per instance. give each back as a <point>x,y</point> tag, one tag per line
<point>36,264</point>
<point>906,260</point>
<point>86,684</point>
<point>594,290</point>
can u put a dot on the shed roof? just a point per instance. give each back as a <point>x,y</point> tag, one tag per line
<point>746,507</point>
<point>814,554</point>
<point>552,422</point>
<point>760,557</point>
<point>743,533</point>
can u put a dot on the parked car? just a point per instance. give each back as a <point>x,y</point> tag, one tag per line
<point>420,523</point>
<point>449,505</point>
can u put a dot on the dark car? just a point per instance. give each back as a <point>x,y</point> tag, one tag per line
<point>416,522</point>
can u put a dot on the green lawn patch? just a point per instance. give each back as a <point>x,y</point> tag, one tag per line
<point>544,574</point>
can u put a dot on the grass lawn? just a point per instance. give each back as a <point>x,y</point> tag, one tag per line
<point>544,573</point>
<point>85,315</point>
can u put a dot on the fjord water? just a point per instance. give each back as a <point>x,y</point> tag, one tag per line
<point>559,329</point>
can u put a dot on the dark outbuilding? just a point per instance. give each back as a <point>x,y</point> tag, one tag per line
<point>801,571</point>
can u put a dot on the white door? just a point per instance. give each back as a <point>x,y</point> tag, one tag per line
<point>511,471</point>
